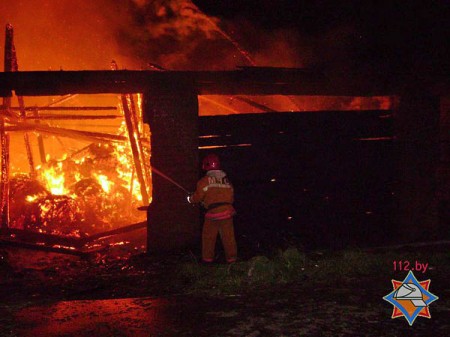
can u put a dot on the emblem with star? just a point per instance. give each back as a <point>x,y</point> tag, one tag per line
<point>411,298</point>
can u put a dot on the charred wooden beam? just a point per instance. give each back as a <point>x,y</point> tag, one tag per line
<point>73,117</point>
<point>26,139</point>
<point>138,130</point>
<point>4,180</point>
<point>50,241</point>
<point>129,113</point>
<point>11,65</point>
<point>70,133</point>
<point>40,140</point>
<point>31,246</point>
<point>254,104</point>
<point>133,138</point>
<point>247,81</point>
<point>47,239</point>
<point>9,53</point>
<point>121,230</point>
<point>66,108</point>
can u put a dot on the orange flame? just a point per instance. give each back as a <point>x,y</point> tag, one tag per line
<point>53,178</point>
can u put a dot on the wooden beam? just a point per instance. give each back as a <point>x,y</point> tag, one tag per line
<point>73,117</point>
<point>120,230</point>
<point>70,133</point>
<point>66,108</point>
<point>31,246</point>
<point>246,81</point>
<point>49,239</point>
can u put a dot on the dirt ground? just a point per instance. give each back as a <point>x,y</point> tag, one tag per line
<point>134,297</point>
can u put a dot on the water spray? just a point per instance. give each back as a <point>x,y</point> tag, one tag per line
<point>228,37</point>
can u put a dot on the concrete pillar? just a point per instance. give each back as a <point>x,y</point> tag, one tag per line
<point>417,137</point>
<point>173,120</point>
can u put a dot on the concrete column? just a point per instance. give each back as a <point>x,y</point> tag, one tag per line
<point>417,136</point>
<point>173,120</point>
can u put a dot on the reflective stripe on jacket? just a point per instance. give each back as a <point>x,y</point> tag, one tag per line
<point>214,188</point>
<point>227,214</point>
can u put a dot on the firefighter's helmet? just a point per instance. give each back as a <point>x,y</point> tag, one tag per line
<point>211,162</point>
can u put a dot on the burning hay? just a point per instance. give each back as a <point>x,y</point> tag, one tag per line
<point>54,214</point>
<point>89,190</point>
<point>88,193</point>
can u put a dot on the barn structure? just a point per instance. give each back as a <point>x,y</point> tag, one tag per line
<point>171,109</point>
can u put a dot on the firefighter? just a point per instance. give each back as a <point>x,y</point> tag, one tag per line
<point>215,193</point>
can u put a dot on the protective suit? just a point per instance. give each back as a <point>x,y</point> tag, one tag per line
<point>215,193</point>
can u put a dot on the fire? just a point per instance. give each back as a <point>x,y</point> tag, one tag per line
<point>31,198</point>
<point>85,189</point>
<point>125,171</point>
<point>59,177</point>
<point>54,180</point>
<point>121,243</point>
<point>104,182</point>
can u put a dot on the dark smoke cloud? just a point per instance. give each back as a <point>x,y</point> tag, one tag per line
<point>178,35</point>
<point>175,34</point>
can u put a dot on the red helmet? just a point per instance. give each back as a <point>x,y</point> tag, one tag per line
<point>211,162</point>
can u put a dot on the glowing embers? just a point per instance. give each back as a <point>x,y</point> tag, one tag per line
<point>34,208</point>
<point>91,191</point>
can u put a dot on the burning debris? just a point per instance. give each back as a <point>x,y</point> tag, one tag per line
<point>54,214</point>
<point>77,196</point>
<point>93,190</point>
<point>87,190</point>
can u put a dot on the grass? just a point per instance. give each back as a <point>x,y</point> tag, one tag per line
<point>292,265</point>
<point>286,266</point>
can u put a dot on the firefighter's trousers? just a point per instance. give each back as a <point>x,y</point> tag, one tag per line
<point>209,236</point>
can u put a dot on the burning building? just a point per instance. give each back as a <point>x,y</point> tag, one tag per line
<point>87,181</point>
<point>72,182</point>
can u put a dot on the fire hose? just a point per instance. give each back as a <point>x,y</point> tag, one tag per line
<point>162,175</point>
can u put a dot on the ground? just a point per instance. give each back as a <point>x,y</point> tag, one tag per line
<point>285,294</point>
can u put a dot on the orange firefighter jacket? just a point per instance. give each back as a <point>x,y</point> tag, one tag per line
<point>214,192</point>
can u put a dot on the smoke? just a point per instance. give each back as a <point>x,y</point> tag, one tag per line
<point>270,47</point>
<point>173,34</point>
<point>178,35</point>
<point>80,35</point>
